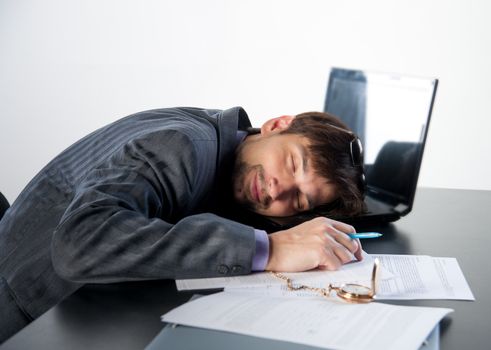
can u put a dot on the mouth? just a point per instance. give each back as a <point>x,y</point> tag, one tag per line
<point>255,188</point>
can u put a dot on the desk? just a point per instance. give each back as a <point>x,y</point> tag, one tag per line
<point>446,223</point>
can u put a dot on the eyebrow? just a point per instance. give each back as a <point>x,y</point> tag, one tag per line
<point>303,155</point>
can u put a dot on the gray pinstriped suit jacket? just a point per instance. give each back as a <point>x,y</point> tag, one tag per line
<point>131,201</point>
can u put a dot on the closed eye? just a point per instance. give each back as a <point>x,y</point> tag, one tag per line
<point>298,194</point>
<point>299,203</point>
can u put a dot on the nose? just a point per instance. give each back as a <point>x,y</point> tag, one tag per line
<point>280,188</point>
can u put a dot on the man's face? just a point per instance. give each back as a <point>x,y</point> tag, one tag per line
<point>274,176</point>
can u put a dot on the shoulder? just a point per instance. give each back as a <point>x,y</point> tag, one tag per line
<point>194,123</point>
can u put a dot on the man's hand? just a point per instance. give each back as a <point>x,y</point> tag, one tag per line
<point>320,242</point>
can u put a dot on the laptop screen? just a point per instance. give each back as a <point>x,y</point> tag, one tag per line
<point>390,113</point>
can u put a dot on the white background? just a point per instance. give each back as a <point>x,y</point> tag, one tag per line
<point>68,67</point>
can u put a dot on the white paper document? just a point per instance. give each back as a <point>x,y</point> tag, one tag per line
<point>403,277</point>
<point>422,277</point>
<point>352,272</point>
<point>315,322</point>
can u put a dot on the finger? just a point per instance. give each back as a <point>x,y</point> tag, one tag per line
<point>343,254</point>
<point>358,252</point>
<point>341,226</point>
<point>343,238</point>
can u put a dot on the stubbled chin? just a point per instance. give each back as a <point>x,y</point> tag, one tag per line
<point>244,174</point>
<point>240,195</point>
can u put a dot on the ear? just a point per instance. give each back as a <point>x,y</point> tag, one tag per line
<point>276,124</point>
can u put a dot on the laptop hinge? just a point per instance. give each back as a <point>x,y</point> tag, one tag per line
<point>400,208</point>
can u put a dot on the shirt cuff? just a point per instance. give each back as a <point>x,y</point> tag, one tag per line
<point>262,251</point>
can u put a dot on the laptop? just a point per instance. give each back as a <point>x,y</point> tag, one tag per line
<point>390,113</point>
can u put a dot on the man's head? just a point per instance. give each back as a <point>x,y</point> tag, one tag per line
<point>296,164</point>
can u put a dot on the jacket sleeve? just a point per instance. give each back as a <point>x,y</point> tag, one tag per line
<point>129,219</point>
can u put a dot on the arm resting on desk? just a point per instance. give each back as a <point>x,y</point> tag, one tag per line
<point>130,220</point>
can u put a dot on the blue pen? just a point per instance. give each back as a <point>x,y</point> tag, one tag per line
<point>364,235</point>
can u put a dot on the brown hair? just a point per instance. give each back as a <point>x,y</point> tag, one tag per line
<point>331,158</point>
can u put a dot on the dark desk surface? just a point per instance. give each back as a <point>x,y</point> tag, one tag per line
<point>445,223</point>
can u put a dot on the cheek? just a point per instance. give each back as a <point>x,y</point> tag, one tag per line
<point>270,156</point>
<point>274,167</point>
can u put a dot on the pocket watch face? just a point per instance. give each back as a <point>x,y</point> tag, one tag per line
<point>355,293</point>
<point>356,289</point>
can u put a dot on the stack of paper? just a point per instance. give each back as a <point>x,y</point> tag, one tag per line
<point>315,322</point>
<point>260,304</point>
